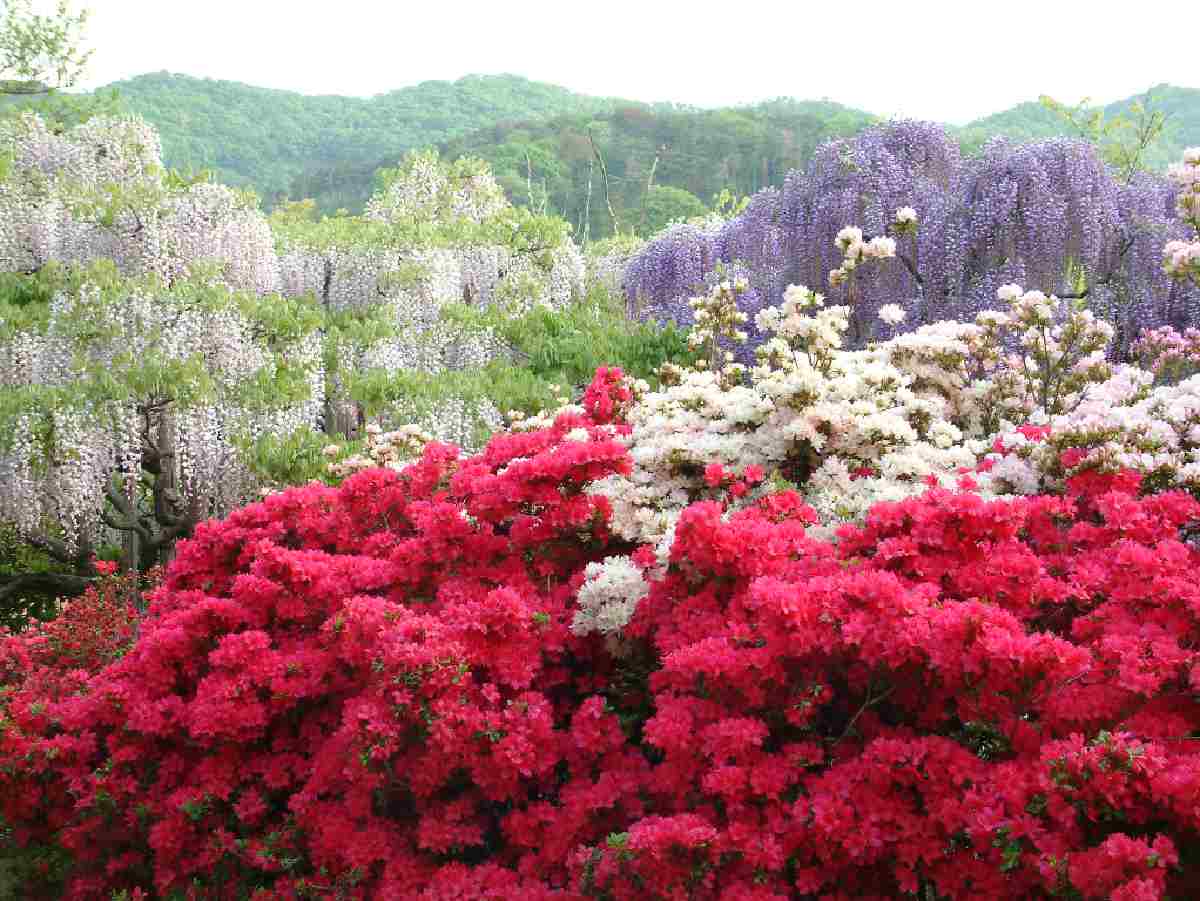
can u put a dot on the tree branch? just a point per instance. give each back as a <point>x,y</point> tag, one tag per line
<point>912,269</point>
<point>44,583</point>
<point>52,546</point>
<point>133,521</point>
<point>871,701</point>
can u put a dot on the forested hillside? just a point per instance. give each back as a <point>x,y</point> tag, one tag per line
<point>661,163</point>
<point>1032,121</point>
<point>264,138</point>
<point>544,143</point>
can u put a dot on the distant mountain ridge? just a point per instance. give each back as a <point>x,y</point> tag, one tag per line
<point>283,143</point>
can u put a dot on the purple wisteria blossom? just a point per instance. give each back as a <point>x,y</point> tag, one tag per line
<point>1046,215</point>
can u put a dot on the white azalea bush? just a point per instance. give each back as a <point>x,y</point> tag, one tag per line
<point>609,595</point>
<point>850,427</point>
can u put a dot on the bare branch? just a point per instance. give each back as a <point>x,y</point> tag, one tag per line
<point>604,173</point>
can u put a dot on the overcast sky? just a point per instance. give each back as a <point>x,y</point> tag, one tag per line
<point>951,61</point>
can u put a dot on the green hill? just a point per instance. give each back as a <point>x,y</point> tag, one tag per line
<point>1032,121</point>
<point>538,136</point>
<point>264,138</point>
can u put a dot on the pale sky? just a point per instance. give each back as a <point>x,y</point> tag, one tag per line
<point>950,61</point>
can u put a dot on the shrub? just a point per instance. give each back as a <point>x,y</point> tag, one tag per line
<point>39,667</point>
<point>374,691</point>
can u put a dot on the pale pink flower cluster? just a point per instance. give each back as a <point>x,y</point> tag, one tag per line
<point>1181,259</point>
<point>1123,423</point>
<point>1186,176</point>
<point>1168,354</point>
<point>393,449</point>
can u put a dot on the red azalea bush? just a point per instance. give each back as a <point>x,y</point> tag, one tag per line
<point>374,692</point>
<point>44,664</point>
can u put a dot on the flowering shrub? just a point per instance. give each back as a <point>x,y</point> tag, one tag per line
<point>1047,214</point>
<point>968,696</point>
<point>1170,355</point>
<point>40,666</point>
<point>633,648</point>
<point>1124,424</point>
<point>378,691</point>
<point>849,427</point>
<point>358,688</point>
<point>1181,259</point>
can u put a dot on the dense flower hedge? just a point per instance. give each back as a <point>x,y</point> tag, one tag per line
<point>376,690</point>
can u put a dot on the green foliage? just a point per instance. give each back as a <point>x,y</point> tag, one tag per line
<point>39,52</point>
<point>726,204</point>
<point>565,347</point>
<point>294,460</point>
<point>23,293</point>
<point>45,866</point>
<point>62,111</point>
<point>421,394</point>
<point>279,320</point>
<point>553,354</point>
<point>1124,139</point>
<point>40,55</point>
<point>152,373</point>
<point>1168,116</point>
<point>625,244</point>
<point>535,136</point>
<point>516,228</point>
<point>18,558</point>
<point>664,204</point>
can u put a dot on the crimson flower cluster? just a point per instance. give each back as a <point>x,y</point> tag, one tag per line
<point>374,690</point>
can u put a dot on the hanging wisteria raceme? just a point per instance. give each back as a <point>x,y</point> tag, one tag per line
<point>1048,215</point>
<point>436,236</point>
<point>424,189</point>
<point>50,202</point>
<point>1035,210</point>
<point>100,191</point>
<point>212,222</point>
<point>670,270</point>
<point>126,377</point>
<point>153,392</point>
<point>606,261</point>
